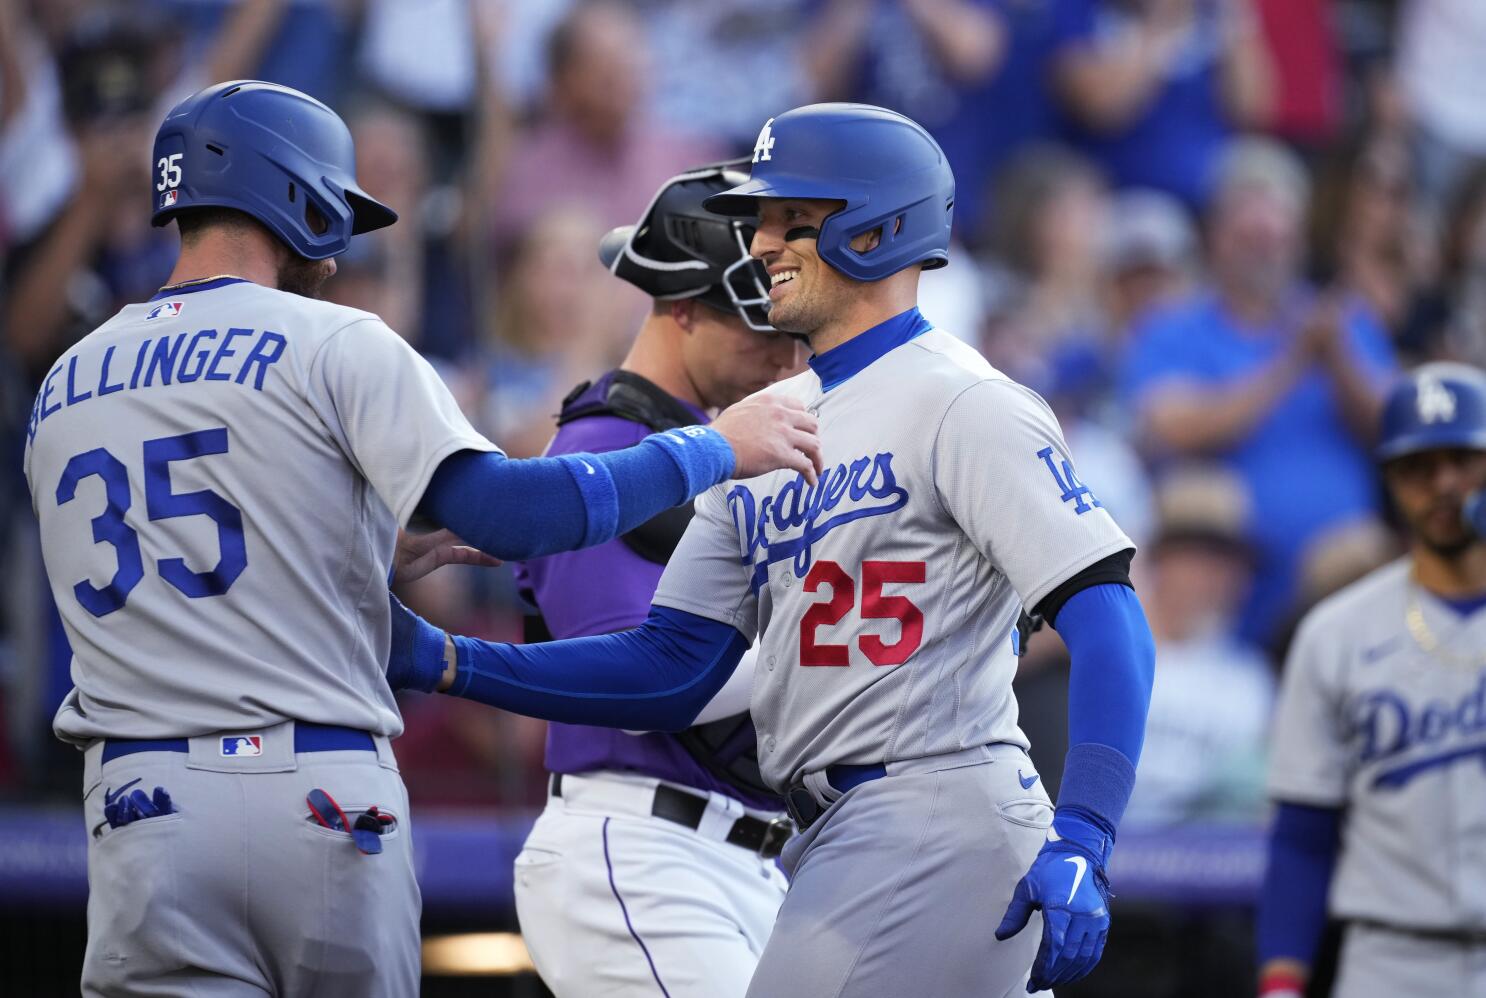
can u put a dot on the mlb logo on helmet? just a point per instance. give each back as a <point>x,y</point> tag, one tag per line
<point>242,745</point>
<point>168,309</point>
<point>169,198</point>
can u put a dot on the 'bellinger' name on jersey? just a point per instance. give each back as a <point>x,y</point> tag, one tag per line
<point>234,355</point>
<point>886,595</point>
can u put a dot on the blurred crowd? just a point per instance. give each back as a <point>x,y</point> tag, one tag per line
<point>1209,232</point>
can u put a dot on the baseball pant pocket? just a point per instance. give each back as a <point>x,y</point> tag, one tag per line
<point>390,830</point>
<point>1029,812</point>
<point>135,919</point>
<point>357,913</point>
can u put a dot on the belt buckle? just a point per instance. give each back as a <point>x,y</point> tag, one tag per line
<point>801,806</point>
<point>776,833</point>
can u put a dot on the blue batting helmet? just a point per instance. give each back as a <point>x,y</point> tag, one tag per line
<point>269,152</point>
<point>1438,405</point>
<point>889,171</point>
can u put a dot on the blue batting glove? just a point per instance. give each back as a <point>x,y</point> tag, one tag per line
<point>136,806</point>
<point>1067,884</point>
<point>152,806</point>
<point>415,660</point>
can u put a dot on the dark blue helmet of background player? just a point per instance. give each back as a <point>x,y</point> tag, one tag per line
<point>890,172</point>
<point>1440,405</point>
<point>270,152</point>
<point>678,249</point>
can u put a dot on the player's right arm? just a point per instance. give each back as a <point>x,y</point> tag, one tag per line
<point>1308,780</point>
<point>1003,472</point>
<point>393,415</point>
<point>655,677</point>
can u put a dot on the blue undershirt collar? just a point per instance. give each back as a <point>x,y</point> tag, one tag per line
<point>190,287</point>
<point>838,364</point>
<point>1464,605</point>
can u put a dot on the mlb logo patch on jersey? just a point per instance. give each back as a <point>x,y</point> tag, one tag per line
<point>169,198</point>
<point>166,309</point>
<point>242,745</point>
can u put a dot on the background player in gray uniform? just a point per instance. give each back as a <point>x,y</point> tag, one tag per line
<point>219,476</point>
<point>652,868</point>
<point>1379,752</point>
<point>886,600</point>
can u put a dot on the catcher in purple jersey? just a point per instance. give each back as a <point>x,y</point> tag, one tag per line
<point>652,869</point>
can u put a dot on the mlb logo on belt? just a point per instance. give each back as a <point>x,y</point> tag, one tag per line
<point>242,745</point>
<point>169,198</point>
<point>167,309</point>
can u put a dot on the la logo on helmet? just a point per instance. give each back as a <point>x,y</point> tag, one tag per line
<point>765,143</point>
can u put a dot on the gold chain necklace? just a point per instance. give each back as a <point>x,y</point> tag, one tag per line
<point>198,280</point>
<point>1425,638</point>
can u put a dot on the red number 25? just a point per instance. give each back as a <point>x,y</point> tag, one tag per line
<point>875,606</point>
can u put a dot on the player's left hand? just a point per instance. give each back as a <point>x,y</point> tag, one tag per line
<point>1067,883</point>
<point>419,554</point>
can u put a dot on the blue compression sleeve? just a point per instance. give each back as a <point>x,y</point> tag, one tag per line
<point>1113,664</point>
<point>520,509</point>
<point>415,659</point>
<point>1303,846</point>
<point>656,677</point>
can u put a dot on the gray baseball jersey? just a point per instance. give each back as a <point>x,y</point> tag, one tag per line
<point>219,477</point>
<point>886,597</point>
<point>1370,720</point>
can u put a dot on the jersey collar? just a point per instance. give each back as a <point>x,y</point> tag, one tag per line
<point>839,363</point>
<point>188,287</point>
<point>1464,605</point>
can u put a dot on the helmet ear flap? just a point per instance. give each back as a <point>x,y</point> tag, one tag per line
<point>313,219</point>
<point>908,234</point>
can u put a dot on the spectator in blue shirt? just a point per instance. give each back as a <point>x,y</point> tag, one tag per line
<point>1260,372</point>
<point>973,72</point>
<point>1156,87</point>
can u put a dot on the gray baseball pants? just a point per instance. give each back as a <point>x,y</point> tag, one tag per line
<point>239,894</point>
<point>1381,963</point>
<point>898,887</point>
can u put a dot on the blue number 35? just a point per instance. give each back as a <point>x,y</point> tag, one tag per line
<point>109,527</point>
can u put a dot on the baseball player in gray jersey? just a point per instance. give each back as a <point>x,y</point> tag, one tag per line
<point>886,600</point>
<point>219,475</point>
<point>1379,753</point>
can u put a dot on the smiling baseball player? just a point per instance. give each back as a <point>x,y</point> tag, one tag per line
<point>886,599</point>
<point>219,475</point>
<point>1380,735</point>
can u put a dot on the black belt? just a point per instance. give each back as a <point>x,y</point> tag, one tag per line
<point>1458,937</point>
<point>802,804</point>
<point>766,838</point>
